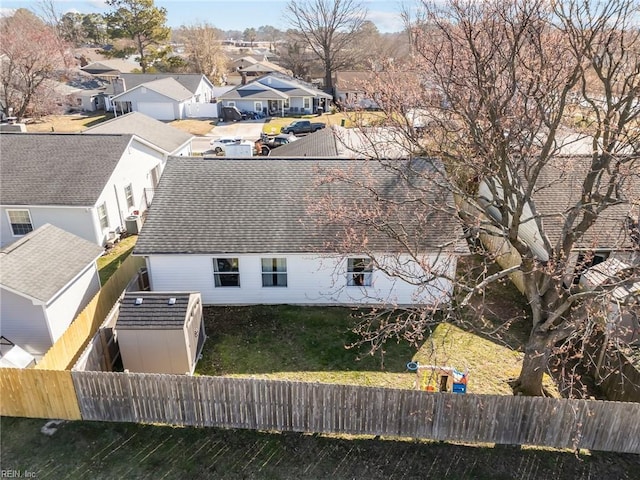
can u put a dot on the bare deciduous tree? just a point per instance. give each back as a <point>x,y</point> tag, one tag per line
<point>30,55</point>
<point>328,28</point>
<point>518,97</point>
<point>203,48</point>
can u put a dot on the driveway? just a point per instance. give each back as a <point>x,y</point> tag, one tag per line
<point>247,129</point>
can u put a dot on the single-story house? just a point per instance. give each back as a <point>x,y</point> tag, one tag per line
<point>165,96</point>
<point>83,183</point>
<point>613,236</point>
<point>46,278</point>
<point>349,90</point>
<point>170,140</point>
<point>160,332</point>
<point>277,94</point>
<point>246,235</point>
<point>340,142</point>
<point>109,68</point>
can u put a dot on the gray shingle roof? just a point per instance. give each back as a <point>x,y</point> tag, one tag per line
<point>154,312</point>
<point>560,188</point>
<point>167,87</point>
<point>57,169</point>
<point>317,144</point>
<point>158,133</point>
<point>205,206</point>
<point>190,81</point>
<point>42,262</point>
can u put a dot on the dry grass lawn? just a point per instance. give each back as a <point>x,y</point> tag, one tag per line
<point>347,119</point>
<point>67,123</point>
<point>194,126</point>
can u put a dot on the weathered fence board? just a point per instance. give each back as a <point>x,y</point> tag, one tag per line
<point>326,408</point>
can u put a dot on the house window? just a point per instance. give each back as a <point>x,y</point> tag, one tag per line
<point>307,103</point>
<point>155,175</point>
<point>257,106</point>
<point>128,193</point>
<point>286,103</point>
<point>231,104</point>
<point>226,272</point>
<point>103,216</point>
<point>274,272</point>
<point>20,221</point>
<point>359,272</point>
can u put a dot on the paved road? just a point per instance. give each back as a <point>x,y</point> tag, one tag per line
<point>248,130</point>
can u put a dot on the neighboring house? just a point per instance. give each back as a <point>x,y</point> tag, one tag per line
<point>170,140</point>
<point>277,94</point>
<point>349,90</point>
<point>109,69</point>
<point>85,184</point>
<point>611,237</point>
<point>340,142</point>
<point>46,278</point>
<point>245,235</point>
<point>165,96</point>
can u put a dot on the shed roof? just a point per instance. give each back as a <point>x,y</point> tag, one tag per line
<point>44,261</point>
<point>256,206</point>
<point>158,133</point>
<point>57,169</point>
<point>154,312</point>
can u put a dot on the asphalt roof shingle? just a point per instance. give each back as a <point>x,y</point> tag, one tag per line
<point>190,81</point>
<point>154,131</point>
<point>57,169</point>
<point>42,262</point>
<point>154,312</point>
<point>205,206</point>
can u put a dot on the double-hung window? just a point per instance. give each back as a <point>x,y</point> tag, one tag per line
<point>359,272</point>
<point>128,193</point>
<point>226,272</point>
<point>103,216</point>
<point>20,221</point>
<point>274,272</point>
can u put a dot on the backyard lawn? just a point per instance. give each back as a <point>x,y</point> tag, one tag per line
<point>98,450</point>
<point>308,344</point>
<point>67,123</point>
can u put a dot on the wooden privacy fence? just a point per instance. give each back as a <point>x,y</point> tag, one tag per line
<point>68,347</point>
<point>47,391</point>
<point>38,393</point>
<point>328,408</point>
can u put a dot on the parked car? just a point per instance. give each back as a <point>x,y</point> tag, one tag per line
<point>280,140</point>
<point>302,126</point>
<point>219,145</point>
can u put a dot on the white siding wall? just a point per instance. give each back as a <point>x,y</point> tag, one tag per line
<point>24,323</point>
<point>134,168</point>
<point>311,279</point>
<point>70,302</point>
<point>77,220</point>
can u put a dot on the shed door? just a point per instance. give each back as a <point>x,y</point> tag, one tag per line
<point>159,111</point>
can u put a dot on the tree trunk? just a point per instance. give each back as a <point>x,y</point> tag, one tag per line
<point>534,365</point>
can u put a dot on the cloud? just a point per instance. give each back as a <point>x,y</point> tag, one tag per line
<point>7,12</point>
<point>386,21</point>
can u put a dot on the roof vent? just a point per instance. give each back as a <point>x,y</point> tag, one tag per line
<point>172,301</point>
<point>139,301</point>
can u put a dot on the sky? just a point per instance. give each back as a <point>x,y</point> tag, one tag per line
<point>223,14</point>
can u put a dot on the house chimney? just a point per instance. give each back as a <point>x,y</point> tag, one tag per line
<point>244,78</point>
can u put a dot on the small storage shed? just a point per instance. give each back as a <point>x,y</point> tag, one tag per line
<point>160,332</point>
